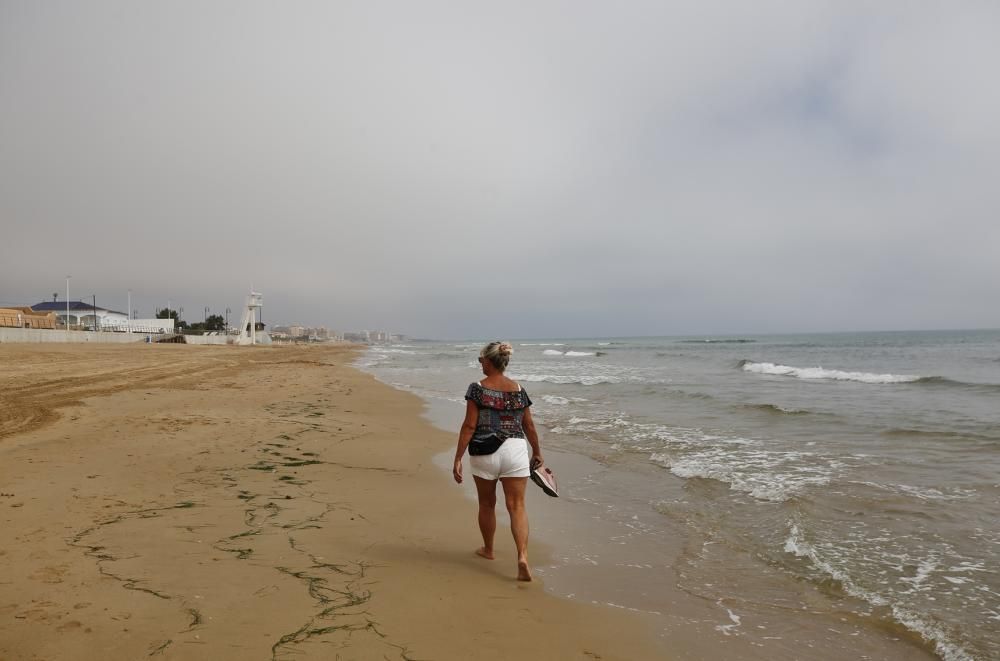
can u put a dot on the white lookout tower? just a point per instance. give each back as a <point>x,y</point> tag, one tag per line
<point>248,327</point>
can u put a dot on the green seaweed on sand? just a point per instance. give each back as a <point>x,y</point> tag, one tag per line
<point>196,618</point>
<point>158,649</point>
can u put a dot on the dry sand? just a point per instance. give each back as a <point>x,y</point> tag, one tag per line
<point>180,502</point>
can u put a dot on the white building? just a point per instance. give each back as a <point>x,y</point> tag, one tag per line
<point>83,314</point>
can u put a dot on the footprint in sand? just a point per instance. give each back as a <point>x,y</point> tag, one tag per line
<point>50,574</point>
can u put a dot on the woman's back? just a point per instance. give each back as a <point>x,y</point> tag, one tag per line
<point>500,411</point>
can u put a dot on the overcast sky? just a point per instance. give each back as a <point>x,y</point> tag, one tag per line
<point>527,169</point>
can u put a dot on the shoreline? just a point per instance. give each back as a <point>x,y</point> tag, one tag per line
<point>251,503</point>
<point>613,550</point>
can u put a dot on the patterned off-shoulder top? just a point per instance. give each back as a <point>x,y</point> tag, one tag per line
<point>500,413</point>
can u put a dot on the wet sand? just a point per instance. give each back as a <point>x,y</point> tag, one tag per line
<point>225,503</point>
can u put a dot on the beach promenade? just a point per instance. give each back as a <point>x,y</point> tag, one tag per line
<point>175,502</point>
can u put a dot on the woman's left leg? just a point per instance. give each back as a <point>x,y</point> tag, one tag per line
<point>513,491</point>
<point>487,492</point>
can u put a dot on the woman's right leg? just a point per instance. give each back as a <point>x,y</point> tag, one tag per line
<point>487,492</point>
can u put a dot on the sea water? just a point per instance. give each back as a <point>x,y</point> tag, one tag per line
<point>843,482</point>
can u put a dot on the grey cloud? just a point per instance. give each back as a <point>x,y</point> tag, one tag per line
<point>453,169</point>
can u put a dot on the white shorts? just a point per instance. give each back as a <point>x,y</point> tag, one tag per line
<point>510,460</point>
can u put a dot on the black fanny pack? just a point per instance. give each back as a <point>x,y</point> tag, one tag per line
<point>488,445</point>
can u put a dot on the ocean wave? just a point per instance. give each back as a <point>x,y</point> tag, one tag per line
<point>572,354</point>
<point>542,344</point>
<point>771,475</point>
<point>811,373</point>
<point>797,545</point>
<point>586,380</point>
<point>774,408</point>
<point>903,432</point>
<point>556,400</point>
<point>821,373</point>
<point>425,393</point>
<point>722,341</point>
<point>942,381</point>
<point>922,493</point>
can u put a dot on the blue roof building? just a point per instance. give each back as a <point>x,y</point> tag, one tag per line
<point>82,313</point>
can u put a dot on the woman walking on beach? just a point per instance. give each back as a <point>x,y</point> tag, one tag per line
<point>497,431</point>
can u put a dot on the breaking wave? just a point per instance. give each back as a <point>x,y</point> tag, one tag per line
<point>566,379</point>
<point>774,408</point>
<point>930,630</point>
<point>770,475</point>
<point>816,373</point>
<point>821,373</point>
<point>555,352</point>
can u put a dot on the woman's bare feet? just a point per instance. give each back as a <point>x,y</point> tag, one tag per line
<point>523,571</point>
<point>484,552</point>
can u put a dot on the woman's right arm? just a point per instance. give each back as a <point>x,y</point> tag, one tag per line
<point>464,436</point>
<point>532,434</point>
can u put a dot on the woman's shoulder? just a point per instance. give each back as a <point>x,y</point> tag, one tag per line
<point>506,385</point>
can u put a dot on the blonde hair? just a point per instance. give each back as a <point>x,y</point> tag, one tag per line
<point>498,353</point>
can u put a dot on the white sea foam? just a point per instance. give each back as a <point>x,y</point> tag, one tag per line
<point>821,373</point>
<point>923,493</point>
<point>542,344</point>
<point>552,352</point>
<point>735,619</point>
<point>775,488</point>
<point>661,458</point>
<point>933,632</point>
<point>764,474</point>
<point>556,400</point>
<point>579,353</point>
<point>586,380</point>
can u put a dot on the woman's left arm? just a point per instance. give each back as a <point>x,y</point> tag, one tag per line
<point>464,436</point>
<point>528,424</point>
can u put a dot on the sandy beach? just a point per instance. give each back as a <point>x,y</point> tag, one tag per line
<point>183,502</point>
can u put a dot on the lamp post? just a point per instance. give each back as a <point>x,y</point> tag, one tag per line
<point>95,312</point>
<point>129,309</point>
<point>67,306</point>
<point>227,320</point>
